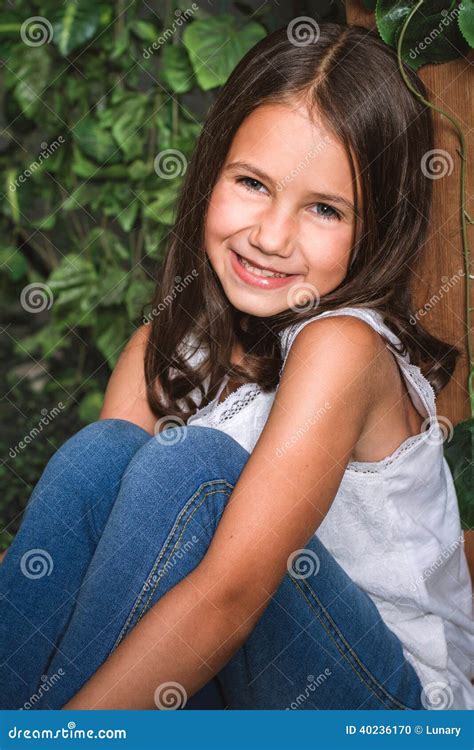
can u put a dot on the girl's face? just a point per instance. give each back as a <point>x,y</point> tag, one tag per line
<point>284,202</point>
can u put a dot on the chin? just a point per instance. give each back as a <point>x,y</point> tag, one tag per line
<point>258,308</point>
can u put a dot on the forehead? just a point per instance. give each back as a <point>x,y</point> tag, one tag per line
<point>286,141</point>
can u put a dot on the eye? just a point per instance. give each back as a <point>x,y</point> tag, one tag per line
<point>332,215</point>
<point>244,181</point>
<point>249,183</point>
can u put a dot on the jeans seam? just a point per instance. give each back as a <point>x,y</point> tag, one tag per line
<point>167,543</point>
<point>331,626</point>
<point>206,495</point>
<point>330,623</point>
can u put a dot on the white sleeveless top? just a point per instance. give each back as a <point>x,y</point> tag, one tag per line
<point>393,526</point>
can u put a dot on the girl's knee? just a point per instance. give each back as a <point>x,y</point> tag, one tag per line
<point>186,451</point>
<point>104,433</point>
<point>97,445</point>
<point>121,430</point>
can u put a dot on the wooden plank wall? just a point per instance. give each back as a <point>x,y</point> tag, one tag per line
<point>449,86</point>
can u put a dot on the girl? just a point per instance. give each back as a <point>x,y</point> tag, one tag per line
<point>289,524</point>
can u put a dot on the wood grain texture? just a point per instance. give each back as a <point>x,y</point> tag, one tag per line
<point>450,87</point>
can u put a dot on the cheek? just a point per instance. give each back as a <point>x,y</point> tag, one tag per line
<point>332,256</point>
<point>218,226</point>
<point>227,213</point>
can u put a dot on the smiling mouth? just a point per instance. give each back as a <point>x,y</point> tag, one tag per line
<point>259,271</point>
<point>262,278</point>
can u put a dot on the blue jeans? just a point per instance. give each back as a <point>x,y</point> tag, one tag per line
<point>119,517</point>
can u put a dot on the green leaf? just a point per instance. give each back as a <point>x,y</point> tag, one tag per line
<point>83,167</point>
<point>80,197</point>
<point>95,141</point>
<point>154,239</point>
<point>32,72</point>
<point>74,23</point>
<point>458,453</point>
<point>12,195</point>
<point>111,287</point>
<point>71,280</point>
<point>106,248</point>
<point>162,208</point>
<point>10,24</point>
<point>369,4</point>
<point>112,332</point>
<point>466,21</point>
<point>139,169</point>
<point>139,293</point>
<point>12,262</point>
<point>91,406</point>
<point>48,340</point>
<point>144,30</point>
<point>432,36</point>
<point>46,222</point>
<point>126,217</point>
<point>121,44</point>
<point>176,71</point>
<point>216,45</point>
<point>128,128</point>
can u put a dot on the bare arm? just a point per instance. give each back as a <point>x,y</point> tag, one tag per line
<point>282,495</point>
<point>125,396</point>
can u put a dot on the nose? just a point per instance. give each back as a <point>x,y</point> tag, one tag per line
<point>274,232</point>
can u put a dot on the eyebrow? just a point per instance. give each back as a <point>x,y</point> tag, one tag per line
<point>330,197</point>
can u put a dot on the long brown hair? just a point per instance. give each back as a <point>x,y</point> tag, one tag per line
<point>353,80</point>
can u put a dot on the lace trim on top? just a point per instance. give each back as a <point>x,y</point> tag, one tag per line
<point>235,402</point>
<point>432,435</point>
<point>419,388</point>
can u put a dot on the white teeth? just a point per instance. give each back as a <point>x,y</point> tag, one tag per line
<point>261,271</point>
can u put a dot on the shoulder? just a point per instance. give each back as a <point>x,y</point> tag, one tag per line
<point>342,324</point>
<point>341,360</point>
<point>341,338</point>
